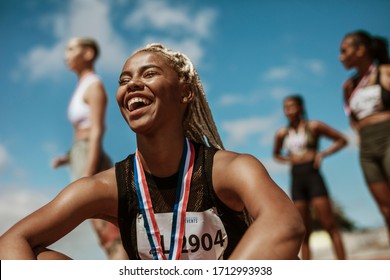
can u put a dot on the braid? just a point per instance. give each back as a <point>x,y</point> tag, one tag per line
<point>198,122</point>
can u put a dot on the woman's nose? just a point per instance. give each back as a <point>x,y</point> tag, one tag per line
<point>134,85</point>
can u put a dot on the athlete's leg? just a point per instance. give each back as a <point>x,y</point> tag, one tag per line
<point>381,193</point>
<point>324,213</point>
<point>304,210</point>
<point>110,239</point>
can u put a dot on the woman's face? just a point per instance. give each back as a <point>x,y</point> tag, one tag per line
<point>348,53</point>
<point>292,109</point>
<point>149,93</point>
<point>74,55</point>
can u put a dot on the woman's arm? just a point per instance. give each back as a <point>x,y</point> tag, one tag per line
<point>86,198</point>
<point>277,230</point>
<point>338,139</point>
<point>278,146</point>
<point>96,98</point>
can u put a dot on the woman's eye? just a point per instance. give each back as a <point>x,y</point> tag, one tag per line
<point>123,81</point>
<point>149,74</point>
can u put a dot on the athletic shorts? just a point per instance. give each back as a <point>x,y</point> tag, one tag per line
<point>307,182</point>
<point>78,159</point>
<point>375,152</point>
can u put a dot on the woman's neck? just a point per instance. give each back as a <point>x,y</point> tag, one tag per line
<point>296,124</point>
<point>160,156</point>
<point>85,72</point>
<point>364,67</point>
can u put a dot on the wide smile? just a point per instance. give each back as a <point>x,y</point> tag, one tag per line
<point>136,103</point>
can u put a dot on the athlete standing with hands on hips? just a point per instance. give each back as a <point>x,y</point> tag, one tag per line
<point>367,103</point>
<point>180,195</point>
<point>300,138</point>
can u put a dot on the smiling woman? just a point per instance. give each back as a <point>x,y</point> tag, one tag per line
<point>180,195</point>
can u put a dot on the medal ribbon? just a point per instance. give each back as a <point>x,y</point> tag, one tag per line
<point>179,209</point>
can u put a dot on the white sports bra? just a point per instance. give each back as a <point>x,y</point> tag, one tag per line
<point>299,142</point>
<point>78,110</point>
<point>366,101</point>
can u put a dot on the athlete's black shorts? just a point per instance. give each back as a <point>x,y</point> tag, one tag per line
<point>307,182</point>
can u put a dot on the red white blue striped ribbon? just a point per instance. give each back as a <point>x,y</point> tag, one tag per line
<point>180,206</point>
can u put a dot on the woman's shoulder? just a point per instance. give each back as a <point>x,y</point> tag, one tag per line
<point>316,126</point>
<point>281,132</point>
<point>384,71</point>
<point>100,183</point>
<point>230,161</point>
<point>384,67</point>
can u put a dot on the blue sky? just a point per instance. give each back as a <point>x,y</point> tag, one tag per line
<point>249,54</point>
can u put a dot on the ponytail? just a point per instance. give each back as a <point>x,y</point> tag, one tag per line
<point>377,46</point>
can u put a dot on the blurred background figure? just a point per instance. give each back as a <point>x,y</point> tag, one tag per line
<point>367,103</point>
<point>300,139</point>
<point>86,112</point>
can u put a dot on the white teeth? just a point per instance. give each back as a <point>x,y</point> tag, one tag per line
<point>139,99</point>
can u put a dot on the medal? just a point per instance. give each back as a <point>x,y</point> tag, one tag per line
<point>180,206</point>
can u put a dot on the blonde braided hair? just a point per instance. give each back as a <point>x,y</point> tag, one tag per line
<point>198,123</point>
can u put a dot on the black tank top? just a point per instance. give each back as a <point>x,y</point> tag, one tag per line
<point>163,190</point>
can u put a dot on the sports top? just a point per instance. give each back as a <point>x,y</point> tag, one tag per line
<point>78,110</point>
<point>368,100</point>
<point>300,141</point>
<point>212,229</point>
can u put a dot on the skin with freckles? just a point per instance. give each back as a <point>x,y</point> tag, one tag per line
<point>154,100</point>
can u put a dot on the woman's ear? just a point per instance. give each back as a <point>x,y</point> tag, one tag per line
<point>89,54</point>
<point>188,93</point>
<point>361,51</point>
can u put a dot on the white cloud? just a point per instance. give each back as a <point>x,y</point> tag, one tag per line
<point>178,27</point>
<point>239,99</point>
<point>8,166</point>
<point>43,62</point>
<point>279,92</point>
<point>278,73</point>
<point>190,46</point>
<point>295,68</point>
<point>92,18</point>
<point>274,167</point>
<point>239,130</point>
<point>83,18</point>
<point>315,65</point>
<point>4,157</point>
<point>16,203</point>
<point>353,139</point>
<point>234,99</point>
<point>231,99</point>
<point>179,19</point>
<point>50,147</point>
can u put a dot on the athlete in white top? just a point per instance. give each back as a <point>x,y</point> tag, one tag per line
<point>366,96</point>
<point>86,112</point>
<point>78,110</point>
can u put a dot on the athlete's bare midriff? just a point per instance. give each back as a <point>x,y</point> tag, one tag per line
<point>81,133</point>
<point>373,119</point>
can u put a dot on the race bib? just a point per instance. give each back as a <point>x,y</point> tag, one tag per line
<point>205,236</point>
